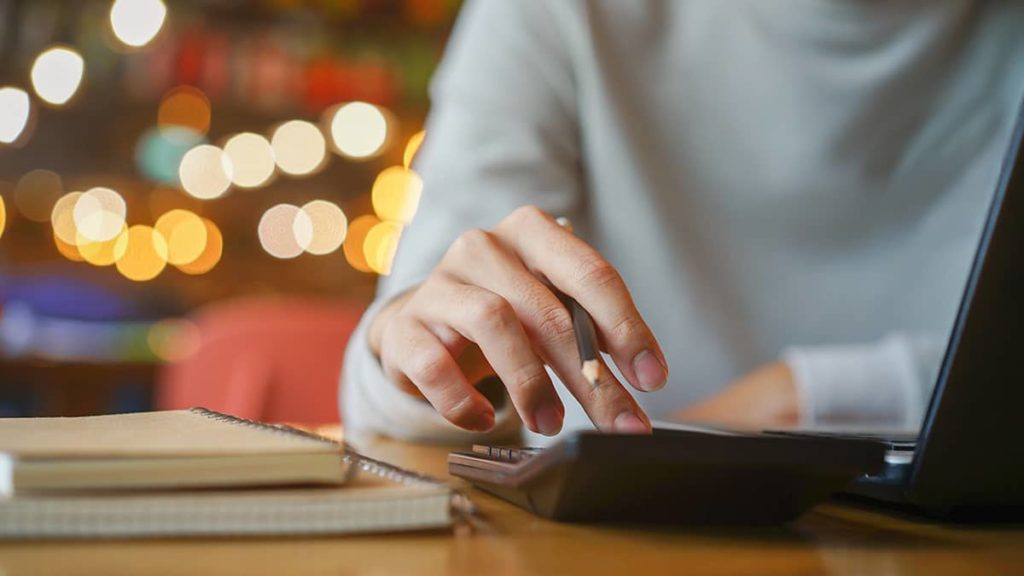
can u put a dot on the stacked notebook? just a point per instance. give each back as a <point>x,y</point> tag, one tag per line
<point>198,473</point>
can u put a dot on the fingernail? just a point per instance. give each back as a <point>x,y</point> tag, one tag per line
<point>629,423</point>
<point>548,420</point>
<point>650,373</point>
<point>483,422</point>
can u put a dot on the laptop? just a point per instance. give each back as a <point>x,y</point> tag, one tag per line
<point>967,460</point>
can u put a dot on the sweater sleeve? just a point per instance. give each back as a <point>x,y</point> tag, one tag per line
<point>501,134</point>
<point>887,382</point>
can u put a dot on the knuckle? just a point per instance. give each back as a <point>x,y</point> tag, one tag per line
<point>493,310</point>
<point>530,381</point>
<point>427,367</point>
<point>555,324</point>
<point>595,272</point>
<point>472,242</point>
<point>628,327</point>
<point>528,213</point>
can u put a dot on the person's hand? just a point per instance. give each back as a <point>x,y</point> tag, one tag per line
<point>488,308</point>
<point>765,397</point>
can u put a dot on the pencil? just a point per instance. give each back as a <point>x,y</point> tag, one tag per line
<point>586,334</point>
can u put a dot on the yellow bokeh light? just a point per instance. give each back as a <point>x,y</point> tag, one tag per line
<point>185,106</point>
<point>329,226</point>
<point>67,250</point>
<point>3,216</point>
<point>185,233</point>
<point>15,111</point>
<point>145,256</point>
<point>354,239</point>
<point>380,245</point>
<point>173,339</point>
<point>57,74</point>
<point>104,253</point>
<point>396,194</point>
<point>63,218</point>
<point>252,159</point>
<point>136,22</point>
<point>412,148</point>
<point>100,214</point>
<point>35,194</point>
<point>299,147</point>
<point>359,130</point>
<point>205,172</point>
<point>211,253</point>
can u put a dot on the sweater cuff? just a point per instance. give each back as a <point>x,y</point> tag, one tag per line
<point>372,403</point>
<point>860,384</point>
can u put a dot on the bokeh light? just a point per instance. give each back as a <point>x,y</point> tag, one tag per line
<point>285,231</point>
<point>145,256</point>
<point>412,148</point>
<point>354,239</point>
<point>99,214</point>
<point>159,152</point>
<point>63,218</point>
<point>252,159</point>
<point>359,130</point>
<point>212,252</point>
<point>36,192</point>
<point>67,249</point>
<point>205,172</point>
<point>329,226</point>
<point>136,22</point>
<point>185,107</point>
<point>103,253</point>
<point>173,339</point>
<point>57,74</point>
<point>15,109</point>
<point>380,245</point>
<point>396,194</point>
<point>299,147</point>
<point>3,216</point>
<point>185,234</point>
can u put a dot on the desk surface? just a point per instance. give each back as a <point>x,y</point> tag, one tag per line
<point>829,540</point>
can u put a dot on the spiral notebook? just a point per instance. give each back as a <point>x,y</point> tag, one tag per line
<point>199,473</point>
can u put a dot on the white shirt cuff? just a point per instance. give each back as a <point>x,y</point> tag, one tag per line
<point>874,383</point>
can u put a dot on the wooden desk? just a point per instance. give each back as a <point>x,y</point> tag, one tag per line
<point>829,540</point>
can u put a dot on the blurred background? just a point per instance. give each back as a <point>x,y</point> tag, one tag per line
<point>197,197</point>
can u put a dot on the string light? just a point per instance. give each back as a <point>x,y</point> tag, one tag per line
<point>205,172</point>
<point>354,240</point>
<point>412,148</point>
<point>329,226</point>
<point>212,252</point>
<point>185,234</point>
<point>145,255</point>
<point>396,194</point>
<point>67,249</point>
<point>299,147</point>
<point>285,231</point>
<point>380,246</point>
<point>252,159</point>
<point>15,109</point>
<point>137,22</point>
<point>359,130</point>
<point>57,74</point>
<point>99,214</point>
<point>35,194</point>
<point>3,216</point>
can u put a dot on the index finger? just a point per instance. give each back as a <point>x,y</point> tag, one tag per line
<point>576,269</point>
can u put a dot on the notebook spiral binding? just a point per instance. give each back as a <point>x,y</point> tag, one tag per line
<point>462,506</point>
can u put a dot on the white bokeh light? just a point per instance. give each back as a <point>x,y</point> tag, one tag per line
<point>136,22</point>
<point>15,108</point>
<point>57,74</point>
<point>359,130</point>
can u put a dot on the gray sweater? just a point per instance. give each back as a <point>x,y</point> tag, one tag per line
<point>801,180</point>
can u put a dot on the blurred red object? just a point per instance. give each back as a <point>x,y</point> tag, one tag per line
<point>268,359</point>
